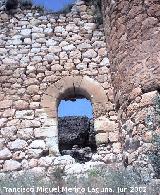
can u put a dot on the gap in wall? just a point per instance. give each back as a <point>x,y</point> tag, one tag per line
<point>76,129</point>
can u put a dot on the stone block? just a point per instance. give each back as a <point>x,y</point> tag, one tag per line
<point>25,133</point>
<point>34,153</point>
<point>8,132</point>
<point>117,147</point>
<point>17,144</point>
<point>101,138</point>
<point>11,165</point>
<point>113,136</point>
<point>94,90</point>
<point>46,132</point>
<point>5,104</point>
<point>48,101</point>
<point>25,114</point>
<point>21,105</point>
<point>148,98</point>
<point>38,144</point>
<point>5,154</point>
<point>104,124</point>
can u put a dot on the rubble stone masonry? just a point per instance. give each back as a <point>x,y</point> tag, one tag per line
<point>46,57</point>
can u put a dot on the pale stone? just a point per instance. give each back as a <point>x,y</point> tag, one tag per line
<point>38,144</point>
<point>81,66</point>
<point>109,158</point>
<point>33,163</point>
<point>45,161</point>
<point>26,32</point>
<point>90,27</point>
<point>8,132</point>
<point>117,147</point>
<point>104,124</point>
<point>105,62</point>
<point>5,104</point>
<point>69,47</point>
<point>5,154</point>
<point>148,136</point>
<point>72,28</point>
<point>28,41</point>
<point>2,121</point>
<point>113,136</point>
<point>26,133</point>
<point>21,105</point>
<point>17,144</point>
<point>59,29</point>
<point>9,61</point>
<point>25,114</point>
<point>54,49</point>
<point>89,54</point>
<point>33,89</point>
<point>9,113</point>
<point>75,54</point>
<point>34,153</point>
<point>148,98</point>
<point>64,160</point>
<point>51,42</point>
<point>83,46</point>
<point>46,132</point>
<point>18,155</point>
<point>11,165</point>
<point>101,138</point>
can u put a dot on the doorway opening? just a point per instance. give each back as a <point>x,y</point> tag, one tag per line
<point>76,128</point>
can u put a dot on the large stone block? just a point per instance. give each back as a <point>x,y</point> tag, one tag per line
<point>46,132</point>
<point>11,165</point>
<point>5,154</point>
<point>5,104</point>
<point>102,138</point>
<point>17,144</point>
<point>103,124</point>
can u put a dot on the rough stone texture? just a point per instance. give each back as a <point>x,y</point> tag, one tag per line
<point>45,58</point>
<point>75,131</point>
<point>133,37</point>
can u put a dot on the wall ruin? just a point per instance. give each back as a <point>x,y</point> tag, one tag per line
<point>47,57</point>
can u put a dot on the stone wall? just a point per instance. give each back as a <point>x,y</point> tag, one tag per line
<point>133,32</point>
<point>45,57</point>
<point>133,39</point>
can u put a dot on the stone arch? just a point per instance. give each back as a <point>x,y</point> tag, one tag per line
<point>72,87</point>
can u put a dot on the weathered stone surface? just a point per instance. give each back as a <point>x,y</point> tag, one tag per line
<point>21,105</point>
<point>89,54</point>
<point>17,144</point>
<point>102,138</point>
<point>38,144</point>
<point>8,132</point>
<point>25,114</point>
<point>104,124</point>
<point>46,132</point>
<point>5,154</point>
<point>5,104</point>
<point>114,136</point>
<point>11,165</point>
